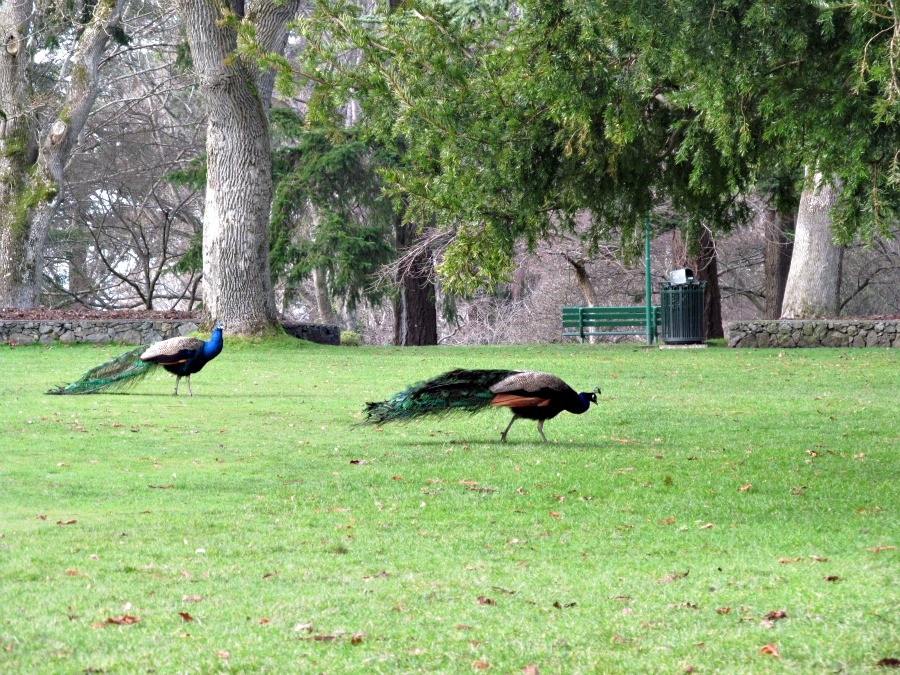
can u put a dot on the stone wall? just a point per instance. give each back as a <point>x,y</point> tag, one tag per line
<point>814,333</point>
<point>321,333</point>
<point>137,332</point>
<point>93,330</point>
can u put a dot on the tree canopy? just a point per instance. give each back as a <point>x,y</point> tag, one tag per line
<point>519,117</point>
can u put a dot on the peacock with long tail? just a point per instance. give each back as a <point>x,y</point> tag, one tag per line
<point>181,356</point>
<point>528,394</point>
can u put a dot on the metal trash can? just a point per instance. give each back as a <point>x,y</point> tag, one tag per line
<point>681,304</point>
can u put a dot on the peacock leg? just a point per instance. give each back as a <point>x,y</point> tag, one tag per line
<point>541,430</point>
<point>177,380</point>
<point>188,377</point>
<point>508,427</point>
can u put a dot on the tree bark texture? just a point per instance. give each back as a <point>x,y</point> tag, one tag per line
<point>705,264</point>
<point>778,248</point>
<point>32,162</point>
<point>813,283</point>
<point>237,283</point>
<point>415,309</point>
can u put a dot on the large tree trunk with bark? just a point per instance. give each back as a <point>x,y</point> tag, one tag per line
<point>32,182</point>
<point>237,284</point>
<point>778,248</point>
<point>415,309</point>
<point>814,281</point>
<point>705,264</point>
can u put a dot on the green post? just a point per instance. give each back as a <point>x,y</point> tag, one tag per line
<point>649,308</point>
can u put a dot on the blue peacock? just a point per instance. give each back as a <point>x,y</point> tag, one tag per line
<point>181,356</point>
<point>528,394</point>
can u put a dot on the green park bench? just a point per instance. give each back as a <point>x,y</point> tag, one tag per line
<point>582,322</point>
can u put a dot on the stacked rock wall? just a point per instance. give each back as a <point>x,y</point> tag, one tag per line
<point>814,333</point>
<point>93,330</point>
<point>137,332</point>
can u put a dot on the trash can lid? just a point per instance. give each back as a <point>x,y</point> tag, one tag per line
<point>681,276</point>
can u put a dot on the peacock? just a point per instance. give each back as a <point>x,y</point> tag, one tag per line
<point>181,356</point>
<point>527,393</point>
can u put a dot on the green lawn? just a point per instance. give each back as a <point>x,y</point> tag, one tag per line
<point>253,527</point>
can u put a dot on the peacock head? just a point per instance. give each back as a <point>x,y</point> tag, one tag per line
<point>220,326</point>
<point>590,396</point>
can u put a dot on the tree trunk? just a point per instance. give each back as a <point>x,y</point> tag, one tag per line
<point>583,279</point>
<point>777,250</point>
<point>813,283</point>
<point>323,301</point>
<point>415,310</point>
<point>237,283</point>
<point>705,264</point>
<point>31,169</point>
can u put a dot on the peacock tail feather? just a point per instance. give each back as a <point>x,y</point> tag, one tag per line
<point>114,375</point>
<point>456,391</point>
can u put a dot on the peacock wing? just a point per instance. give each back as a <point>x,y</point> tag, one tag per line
<point>531,382</point>
<point>173,350</point>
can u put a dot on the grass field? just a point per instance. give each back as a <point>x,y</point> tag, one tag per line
<point>254,528</point>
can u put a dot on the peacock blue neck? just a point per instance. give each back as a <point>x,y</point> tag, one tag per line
<point>585,402</point>
<point>214,345</point>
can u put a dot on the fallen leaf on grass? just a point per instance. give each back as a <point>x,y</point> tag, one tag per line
<point>666,521</point>
<point>161,487</point>
<point>559,605</point>
<point>620,598</point>
<point>745,488</point>
<point>356,638</point>
<point>191,598</point>
<point>530,670</point>
<point>723,610</point>
<point>263,622</point>
<point>818,558</point>
<point>41,517</point>
<point>775,615</point>
<point>224,655</point>
<point>72,573</point>
<point>462,626</point>
<point>878,549</point>
<point>673,576</point>
<point>185,616</point>
<point>789,560</point>
<point>766,624</point>
<point>770,649</point>
<point>269,575</point>
<point>123,620</point>
<point>832,577</point>
<point>707,526</point>
<point>889,662</point>
<point>480,665</point>
<point>481,600</point>
<point>66,522</point>
<point>553,514</point>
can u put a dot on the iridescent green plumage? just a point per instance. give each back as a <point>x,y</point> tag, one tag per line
<point>114,375</point>
<point>456,391</point>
